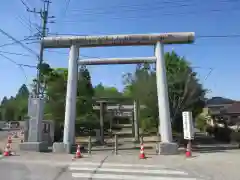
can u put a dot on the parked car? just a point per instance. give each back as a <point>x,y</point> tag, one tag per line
<point>13,124</point>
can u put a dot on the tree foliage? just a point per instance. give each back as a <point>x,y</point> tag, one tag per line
<point>184,90</point>
<point>55,92</point>
<point>108,92</point>
<point>15,108</point>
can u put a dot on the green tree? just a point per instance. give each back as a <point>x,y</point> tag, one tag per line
<point>46,73</point>
<point>106,92</point>
<point>185,91</point>
<point>55,86</point>
<point>3,108</point>
<point>21,100</point>
<point>15,108</point>
<point>201,122</point>
<point>55,90</point>
<point>85,93</point>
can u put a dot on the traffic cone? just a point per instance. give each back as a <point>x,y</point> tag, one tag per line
<point>7,152</point>
<point>9,139</point>
<point>188,151</point>
<point>142,155</point>
<point>78,152</point>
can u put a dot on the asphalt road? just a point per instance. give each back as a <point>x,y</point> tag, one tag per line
<point>3,134</point>
<point>32,171</point>
<point>48,166</point>
<point>203,166</point>
<point>103,166</point>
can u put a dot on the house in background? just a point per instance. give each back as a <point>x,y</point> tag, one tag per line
<point>223,112</point>
<point>216,104</point>
<point>231,115</point>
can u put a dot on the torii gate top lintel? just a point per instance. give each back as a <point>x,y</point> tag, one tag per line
<point>118,40</point>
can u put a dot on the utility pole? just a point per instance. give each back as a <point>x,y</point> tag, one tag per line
<point>44,17</point>
<point>44,12</point>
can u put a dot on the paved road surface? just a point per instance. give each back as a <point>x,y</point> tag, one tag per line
<point>28,171</point>
<point>96,167</point>
<point>203,166</point>
<point>209,162</point>
<point>3,134</point>
<point>88,170</point>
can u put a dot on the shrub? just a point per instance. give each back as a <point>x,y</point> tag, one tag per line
<point>58,132</point>
<point>222,134</point>
<point>148,125</point>
<point>210,130</point>
<point>201,122</point>
<point>235,137</point>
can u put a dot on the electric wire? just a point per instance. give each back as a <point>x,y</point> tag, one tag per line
<point>19,65</point>
<point>14,53</point>
<point>156,7</point>
<point>18,42</point>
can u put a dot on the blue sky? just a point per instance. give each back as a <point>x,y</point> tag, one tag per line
<point>87,17</point>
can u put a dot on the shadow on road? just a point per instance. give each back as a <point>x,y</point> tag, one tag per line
<point>213,149</point>
<point>207,144</point>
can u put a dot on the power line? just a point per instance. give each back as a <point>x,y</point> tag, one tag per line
<point>219,36</point>
<point>14,43</point>
<point>19,65</point>
<point>14,53</point>
<point>147,16</point>
<point>18,42</point>
<point>21,20</point>
<point>150,4</point>
<point>24,21</point>
<point>157,7</point>
<point>140,7</point>
<point>25,5</point>
<point>66,8</point>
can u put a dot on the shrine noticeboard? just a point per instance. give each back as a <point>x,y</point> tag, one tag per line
<point>188,128</point>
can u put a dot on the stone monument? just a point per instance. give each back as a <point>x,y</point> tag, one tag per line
<point>34,124</point>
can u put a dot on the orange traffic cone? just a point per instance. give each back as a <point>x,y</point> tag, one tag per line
<point>78,152</point>
<point>7,152</point>
<point>142,155</point>
<point>9,139</point>
<point>188,151</point>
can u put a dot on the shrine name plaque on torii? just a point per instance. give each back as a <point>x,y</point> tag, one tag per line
<point>75,43</point>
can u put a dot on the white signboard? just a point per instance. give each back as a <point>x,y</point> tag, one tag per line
<point>188,128</point>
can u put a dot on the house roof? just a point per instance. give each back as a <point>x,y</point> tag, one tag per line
<point>218,101</point>
<point>233,109</point>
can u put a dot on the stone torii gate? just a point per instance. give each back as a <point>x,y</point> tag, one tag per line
<point>77,42</point>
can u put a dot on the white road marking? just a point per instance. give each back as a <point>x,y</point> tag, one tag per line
<point>145,171</point>
<point>126,177</point>
<point>81,163</point>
